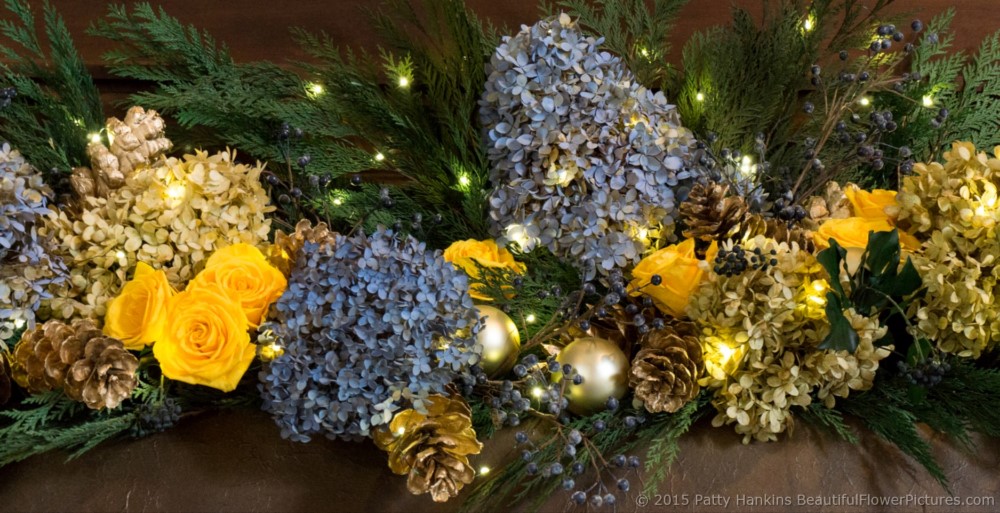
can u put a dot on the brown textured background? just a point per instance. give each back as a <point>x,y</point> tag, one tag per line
<point>236,461</point>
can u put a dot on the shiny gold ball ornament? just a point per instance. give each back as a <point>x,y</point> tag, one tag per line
<point>604,368</point>
<point>500,341</point>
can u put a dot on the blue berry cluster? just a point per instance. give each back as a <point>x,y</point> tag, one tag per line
<point>155,418</point>
<point>926,373</point>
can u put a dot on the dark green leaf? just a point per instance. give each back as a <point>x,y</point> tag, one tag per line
<point>907,281</point>
<point>842,335</point>
<point>831,259</point>
<point>883,253</point>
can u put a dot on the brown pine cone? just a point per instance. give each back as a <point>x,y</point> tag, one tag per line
<point>5,387</point>
<point>432,448</point>
<point>44,354</point>
<point>105,376</point>
<point>665,372</point>
<point>711,214</point>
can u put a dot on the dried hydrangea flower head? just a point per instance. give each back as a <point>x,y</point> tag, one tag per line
<point>585,161</point>
<point>27,268</point>
<point>954,208</point>
<point>761,331</point>
<point>369,325</point>
<point>171,216</point>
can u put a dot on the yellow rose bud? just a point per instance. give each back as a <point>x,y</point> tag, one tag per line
<point>680,275</point>
<point>852,232</point>
<point>466,254</point>
<point>244,272</point>
<point>138,315</point>
<point>206,341</point>
<point>877,204</point>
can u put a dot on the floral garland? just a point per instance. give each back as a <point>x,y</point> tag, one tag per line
<point>160,278</point>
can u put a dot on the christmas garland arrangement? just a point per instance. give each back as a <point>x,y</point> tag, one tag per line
<point>549,230</point>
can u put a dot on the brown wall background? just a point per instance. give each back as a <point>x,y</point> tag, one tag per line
<point>258,29</point>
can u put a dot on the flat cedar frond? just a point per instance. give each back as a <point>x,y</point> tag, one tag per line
<point>57,104</point>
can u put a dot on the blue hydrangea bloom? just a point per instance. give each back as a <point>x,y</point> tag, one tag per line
<point>27,268</point>
<point>586,161</point>
<point>370,325</point>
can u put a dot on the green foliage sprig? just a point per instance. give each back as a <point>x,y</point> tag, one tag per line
<point>879,285</point>
<point>57,104</point>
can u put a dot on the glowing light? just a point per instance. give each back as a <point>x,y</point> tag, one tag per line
<point>865,101</point>
<point>642,235</point>
<point>120,255</point>
<point>94,137</point>
<point>78,122</point>
<point>809,23</point>
<point>379,157</point>
<point>404,82</point>
<point>400,431</point>
<point>175,191</point>
<point>819,292</point>
<point>927,101</point>
<point>338,201</point>
<point>699,96</point>
<point>315,89</point>
<point>644,52</point>
<point>271,351</point>
<point>521,234</point>
<point>530,318</point>
<point>18,323</point>
<point>537,392</point>
<point>747,166</point>
<point>726,352</point>
<point>464,180</point>
<point>484,470</point>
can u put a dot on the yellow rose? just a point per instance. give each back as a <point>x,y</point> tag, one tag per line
<point>244,272</point>
<point>138,315</point>
<point>680,274</point>
<point>852,232</point>
<point>466,254</point>
<point>206,341</point>
<point>877,204</point>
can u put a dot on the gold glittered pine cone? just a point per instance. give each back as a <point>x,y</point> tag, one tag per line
<point>780,231</point>
<point>432,449</point>
<point>665,372</point>
<point>831,204</point>
<point>45,353</point>
<point>138,140</point>
<point>710,213</point>
<point>285,248</point>
<point>5,377</point>
<point>105,376</point>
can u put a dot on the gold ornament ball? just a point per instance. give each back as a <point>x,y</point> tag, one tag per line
<point>604,368</point>
<point>500,341</point>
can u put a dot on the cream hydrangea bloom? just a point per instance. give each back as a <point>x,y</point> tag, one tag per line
<point>954,207</point>
<point>171,215</point>
<point>761,332</point>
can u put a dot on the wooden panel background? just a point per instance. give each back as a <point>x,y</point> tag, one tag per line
<point>258,29</point>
